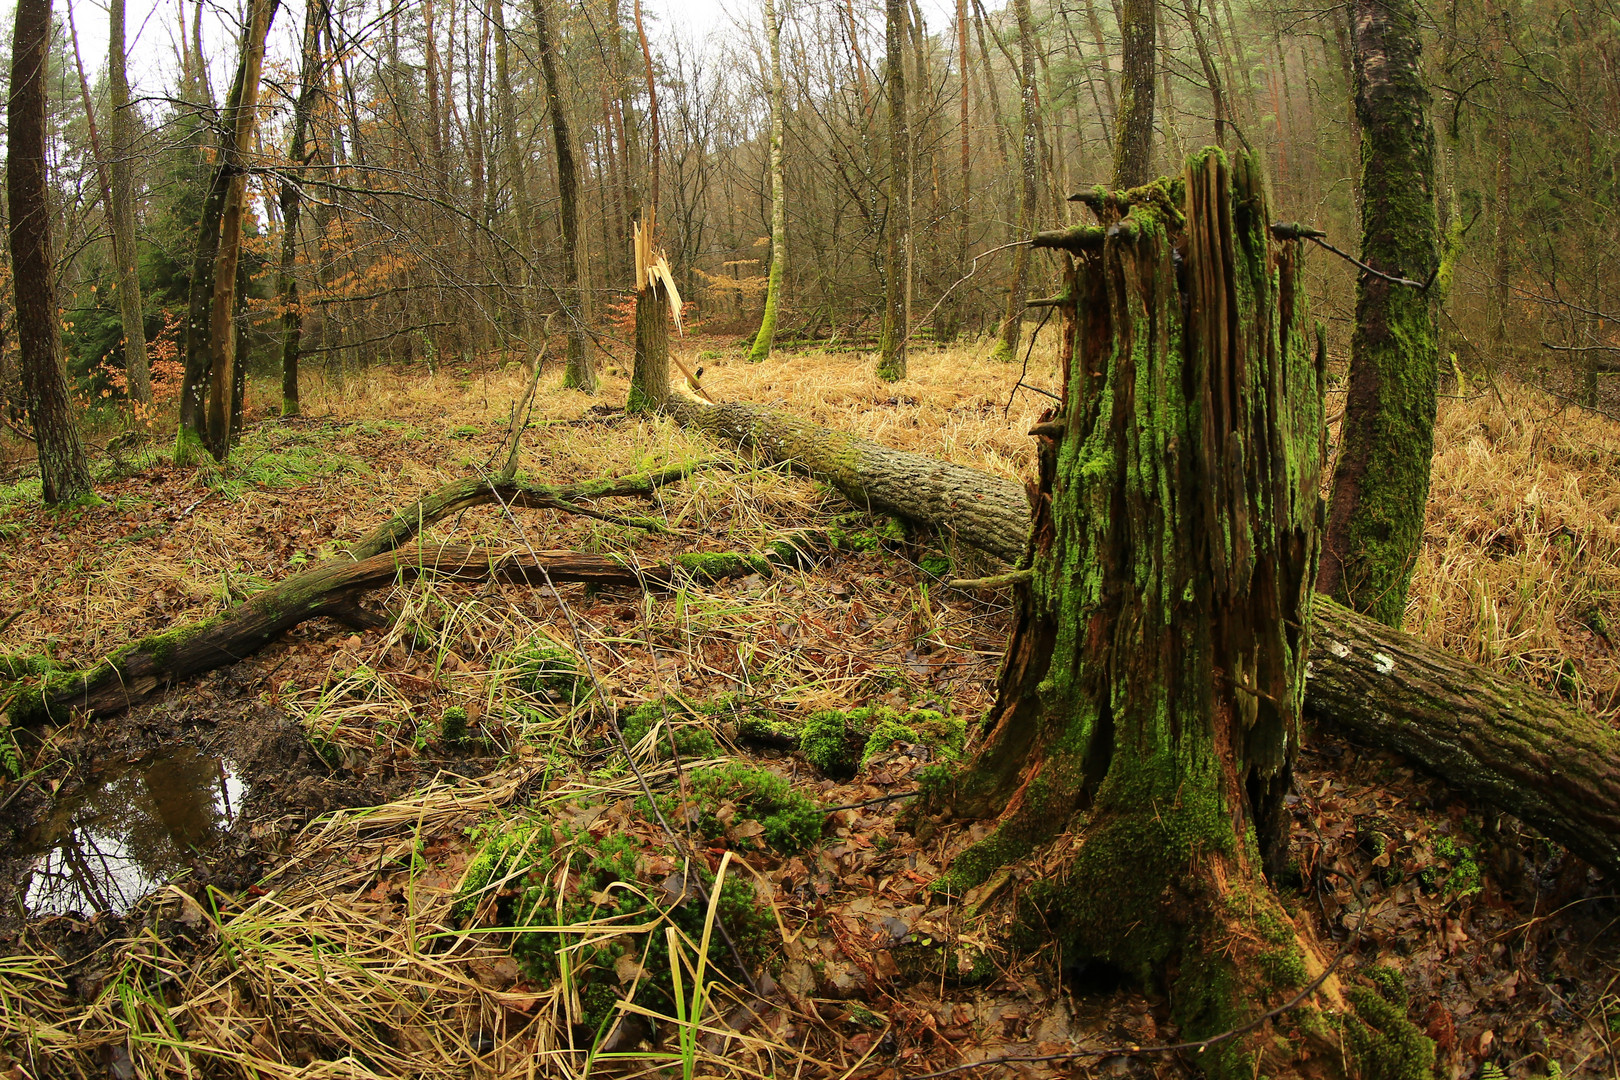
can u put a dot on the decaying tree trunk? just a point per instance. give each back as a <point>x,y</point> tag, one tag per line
<point>985,511</point>
<point>1148,709</point>
<point>1524,753</point>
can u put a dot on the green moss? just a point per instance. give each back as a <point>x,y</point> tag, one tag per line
<point>1390,984</point>
<point>1283,967</point>
<point>602,889</point>
<point>692,740</point>
<point>543,667</point>
<point>719,566</point>
<point>886,734</point>
<point>21,667</point>
<point>831,744</point>
<point>453,726</point>
<point>1382,1042</point>
<point>791,820</point>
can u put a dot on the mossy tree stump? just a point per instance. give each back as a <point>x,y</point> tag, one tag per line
<point>1148,709</point>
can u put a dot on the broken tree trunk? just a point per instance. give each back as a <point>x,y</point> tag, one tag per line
<point>1494,740</point>
<point>1147,714</point>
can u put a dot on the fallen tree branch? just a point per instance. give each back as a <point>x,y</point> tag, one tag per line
<point>333,588</point>
<point>478,491</point>
<point>1493,739</point>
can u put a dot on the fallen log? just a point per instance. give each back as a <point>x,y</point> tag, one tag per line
<point>333,588</point>
<point>1492,739</point>
<point>988,512</point>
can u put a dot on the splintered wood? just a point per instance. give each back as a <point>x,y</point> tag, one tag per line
<point>652,266</point>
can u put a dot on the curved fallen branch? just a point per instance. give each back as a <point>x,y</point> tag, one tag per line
<point>333,588</point>
<point>1493,739</point>
<point>478,491</point>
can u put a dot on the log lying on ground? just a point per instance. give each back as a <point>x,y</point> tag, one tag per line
<point>1493,740</point>
<point>479,491</point>
<point>985,511</point>
<point>332,588</point>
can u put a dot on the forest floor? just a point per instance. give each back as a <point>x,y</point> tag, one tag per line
<point>421,850</point>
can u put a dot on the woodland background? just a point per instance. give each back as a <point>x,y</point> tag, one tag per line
<point>431,230</point>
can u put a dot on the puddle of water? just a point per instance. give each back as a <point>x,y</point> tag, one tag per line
<point>105,849</point>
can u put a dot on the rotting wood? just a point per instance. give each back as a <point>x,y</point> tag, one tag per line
<point>1493,740</point>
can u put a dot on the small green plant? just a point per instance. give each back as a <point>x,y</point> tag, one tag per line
<point>692,740</point>
<point>464,431</point>
<point>790,820</point>
<point>583,915</point>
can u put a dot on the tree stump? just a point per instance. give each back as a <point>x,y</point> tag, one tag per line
<point>1148,709</point>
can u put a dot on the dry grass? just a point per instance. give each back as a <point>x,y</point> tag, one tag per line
<point>1520,568</point>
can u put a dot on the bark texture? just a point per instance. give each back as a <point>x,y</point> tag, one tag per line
<point>1012,320</point>
<point>64,476</point>
<point>897,219</point>
<point>649,376</point>
<point>299,152</point>
<point>225,379</point>
<point>1133,136</point>
<point>1498,742</point>
<point>581,371</point>
<point>121,208</point>
<point>988,512</point>
<point>1381,479</point>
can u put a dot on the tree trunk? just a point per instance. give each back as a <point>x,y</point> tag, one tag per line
<point>63,474</point>
<point>193,426</point>
<point>1012,320</point>
<point>1150,700</point>
<point>581,372</point>
<point>1133,138</point>
<point>656,150</point>
<point>1381,479</point>
<point>292,315</point>
<point>1217,95</point>
<point>224,379</point>
<point>897,219</point>
<point>985,511</point>
<point>121,168</point>
<point>649,377</point>
<point>514,163</point>
<point>763,340</point>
